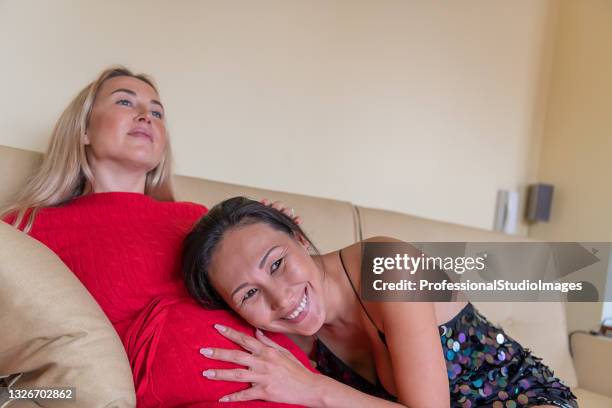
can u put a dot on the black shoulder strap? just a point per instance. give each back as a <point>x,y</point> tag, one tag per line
<point>381,335</point>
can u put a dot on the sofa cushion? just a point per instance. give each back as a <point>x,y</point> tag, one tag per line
<point>16,165</point>
<point>589,399</point>
<point>53,331</point>
<point>593,361</point>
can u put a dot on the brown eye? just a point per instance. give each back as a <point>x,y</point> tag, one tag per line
<point>276,265</point>
<point>250,293</point>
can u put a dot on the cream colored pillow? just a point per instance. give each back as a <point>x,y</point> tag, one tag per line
<point>52,330</point>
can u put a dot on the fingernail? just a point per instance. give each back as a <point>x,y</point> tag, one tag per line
<point>220,327</point>
<point>206,351</point>
<point>259,332</point>
<point>208,373</point>
<point>223,399</point>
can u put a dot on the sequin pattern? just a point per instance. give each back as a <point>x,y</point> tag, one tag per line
<point>486,368</point>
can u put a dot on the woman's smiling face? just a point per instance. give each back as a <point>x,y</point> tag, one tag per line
<point>268,278</point>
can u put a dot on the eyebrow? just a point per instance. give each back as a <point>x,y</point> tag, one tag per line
<point>265,257</point>
<point>129,91</point>
<point>261,264</point>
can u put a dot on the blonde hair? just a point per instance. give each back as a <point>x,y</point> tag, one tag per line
<point>65,172</point>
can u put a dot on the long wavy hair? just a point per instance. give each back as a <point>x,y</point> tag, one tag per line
<point>65,172</point>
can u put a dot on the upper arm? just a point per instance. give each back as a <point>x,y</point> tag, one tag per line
<point>414,345</point>
<point>413,342</point>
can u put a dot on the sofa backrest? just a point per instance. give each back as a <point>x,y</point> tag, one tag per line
<point>331,223</point>
<point>539,326</point>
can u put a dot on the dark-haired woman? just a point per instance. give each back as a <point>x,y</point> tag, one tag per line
<point>253,260</point>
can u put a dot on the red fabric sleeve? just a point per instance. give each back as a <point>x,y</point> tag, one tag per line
<point>9,219</point>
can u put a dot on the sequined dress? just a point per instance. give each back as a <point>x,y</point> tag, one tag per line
<point>485,367</point>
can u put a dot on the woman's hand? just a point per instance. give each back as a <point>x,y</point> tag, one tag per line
<point>288,211</point>
<point>274,373</point>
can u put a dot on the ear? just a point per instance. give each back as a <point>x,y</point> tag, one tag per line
<point>85,139</point>
<point>303,241</point>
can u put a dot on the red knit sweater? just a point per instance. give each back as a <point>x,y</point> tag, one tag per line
<point>125,248</point>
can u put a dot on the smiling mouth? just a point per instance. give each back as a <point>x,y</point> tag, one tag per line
<point>300,311</point>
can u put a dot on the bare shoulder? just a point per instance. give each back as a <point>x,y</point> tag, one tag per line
<point>352,261</point>
<point>353,255</point>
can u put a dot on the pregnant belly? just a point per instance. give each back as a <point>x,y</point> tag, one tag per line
<point>163,346</point>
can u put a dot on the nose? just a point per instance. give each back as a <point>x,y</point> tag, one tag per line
<point>281,300</point>
<point>143,116</point>
<point>279,303</point>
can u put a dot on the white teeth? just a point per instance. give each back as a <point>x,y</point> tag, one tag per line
<point>299,309</point>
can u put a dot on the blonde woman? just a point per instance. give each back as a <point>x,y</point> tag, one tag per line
<point>103,201</point>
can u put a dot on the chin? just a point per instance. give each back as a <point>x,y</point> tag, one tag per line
<point>141,162</point>
<point>317,326</point>
<point>311,331</point>
<point>308,327</point>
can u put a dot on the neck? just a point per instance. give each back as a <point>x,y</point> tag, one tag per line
<point>340,301</point>
<point>111,178</point>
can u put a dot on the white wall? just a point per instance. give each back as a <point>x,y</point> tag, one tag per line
<point>421,107</point>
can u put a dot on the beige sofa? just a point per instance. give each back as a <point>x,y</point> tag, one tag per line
<point>36,316</point>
